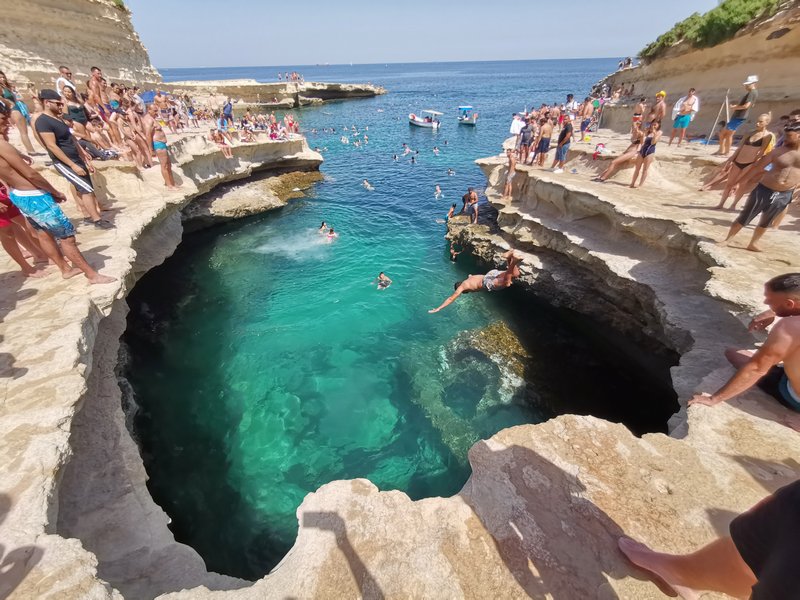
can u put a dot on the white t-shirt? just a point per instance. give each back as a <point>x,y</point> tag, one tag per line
<point>572,108</point>
<point>61,82</point>
<point>516,126</point>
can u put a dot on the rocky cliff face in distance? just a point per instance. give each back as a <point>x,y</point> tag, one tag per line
<point>37,36</point>
<point>769,48</point>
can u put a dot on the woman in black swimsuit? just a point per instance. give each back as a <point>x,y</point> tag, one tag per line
<point>637,137</point>
<point>647,153</point>
<point>752,148</point>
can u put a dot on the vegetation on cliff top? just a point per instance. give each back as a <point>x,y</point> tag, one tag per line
<point>716,26</point>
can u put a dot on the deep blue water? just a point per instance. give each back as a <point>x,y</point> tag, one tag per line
<point>266,363</point>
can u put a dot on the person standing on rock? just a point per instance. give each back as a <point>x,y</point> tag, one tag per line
<point>37,200</point>
<point>763,367</point>
<point>656,114</point>
<point>739,116</point>
<point>69,158</point>
<point>564,140</point>
<point>157,142</point>
<point>775,189</point>
<point>227,112</point>
<point>492,281</point>
<point>647,153</point>
<point>543,140</point>
<point>684,111</point>
<point>512,170</point>
<point>587,109</point>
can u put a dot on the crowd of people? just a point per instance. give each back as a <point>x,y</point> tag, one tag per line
<point>75,124</point>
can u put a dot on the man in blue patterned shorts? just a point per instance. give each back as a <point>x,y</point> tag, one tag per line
<point>37,200</point>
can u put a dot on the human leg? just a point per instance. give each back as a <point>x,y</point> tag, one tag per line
<point>22,126</point>
<point>646,167</point>
<point>733,176</point>
<point>166,169</point>
<point>53,252</point>
<point>718,567</point>
<point>70,249</point>
<point>639,162</point>
<point>27,239</point>
<point>9,243</point>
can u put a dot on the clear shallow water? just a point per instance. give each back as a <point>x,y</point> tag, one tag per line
<point>266,364</point>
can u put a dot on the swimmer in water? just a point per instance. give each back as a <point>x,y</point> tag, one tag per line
<point>383,281</point>
<point>323,227</point>
<point>438,193</point>
<point>493,280</point>
<point>450,172</point>
<point>394,157</point>
<point>436,150</point>
<point>413,160</point>
<point>368,186</point>
<point>332,234</point>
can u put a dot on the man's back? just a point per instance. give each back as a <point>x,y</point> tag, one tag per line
<point>788,329</point>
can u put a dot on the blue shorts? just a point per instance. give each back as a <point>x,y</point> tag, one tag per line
<point>681,121</point>
<point>42,212</point>
<point>159,145</point>
<point>777,385</point>
<point>734,124</point>
<point>561,153</point>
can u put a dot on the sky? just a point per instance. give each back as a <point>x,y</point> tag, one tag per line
<point>214,33</point>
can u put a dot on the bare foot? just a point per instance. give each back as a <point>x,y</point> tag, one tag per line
<point>722,242</point>
<point>70,273</point>
<point>719,207</point>
<point>174,187</point>
<point>792,421</point>
<point>98,279</point>
<point>35,273</point>
<point>753,248</point>
<point>632,186</point>
<point>656,563</point>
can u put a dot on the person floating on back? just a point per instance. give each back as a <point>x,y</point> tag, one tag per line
<point>383,281</point>
<point>493,280</point>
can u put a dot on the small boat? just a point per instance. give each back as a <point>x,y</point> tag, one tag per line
<point>466,116</point>
<point>431,121</point>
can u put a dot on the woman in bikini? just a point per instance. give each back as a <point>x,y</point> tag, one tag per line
<point>647,153</point>
<point>9,98</point>
<point>637,137</point>
<point>752,148</point>
<point>493,280</point>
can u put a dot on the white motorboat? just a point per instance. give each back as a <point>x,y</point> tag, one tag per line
<point>430,120</point>
<point>467,116</point>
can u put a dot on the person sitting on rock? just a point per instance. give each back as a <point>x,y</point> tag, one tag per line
<point>757,560</point>
<point>761,368</point>
<point>493,280</point>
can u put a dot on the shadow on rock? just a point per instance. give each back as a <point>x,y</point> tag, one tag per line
<point>16,563</point>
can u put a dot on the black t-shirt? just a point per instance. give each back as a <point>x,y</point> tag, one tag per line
<point>751,96</point>
<point>526,133</point>
<point>564,132</point>
<point>64,139</point>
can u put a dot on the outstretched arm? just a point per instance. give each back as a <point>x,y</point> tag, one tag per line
<point>448,301</point>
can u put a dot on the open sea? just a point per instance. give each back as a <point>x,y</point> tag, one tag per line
<point>266,363</point>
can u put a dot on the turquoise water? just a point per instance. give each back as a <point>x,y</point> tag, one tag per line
<point>266,363</point>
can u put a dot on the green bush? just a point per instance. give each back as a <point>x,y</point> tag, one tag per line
<point>716,26</point>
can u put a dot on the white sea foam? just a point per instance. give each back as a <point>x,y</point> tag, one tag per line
<point>305,245</point>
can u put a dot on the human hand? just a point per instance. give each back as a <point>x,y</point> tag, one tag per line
<point>702,399</point>
<point>90,167</point>
<point>28,160</point>
<point>761,322</point>
<point>433,310</point>
<point>79,171</point>
<point>3,208</point>
<point>59,197</point>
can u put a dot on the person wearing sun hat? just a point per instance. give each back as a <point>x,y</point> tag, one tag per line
<point>658,111</point>
<point>739,116</point>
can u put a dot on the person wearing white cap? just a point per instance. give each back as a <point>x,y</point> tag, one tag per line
<point>739,116</point>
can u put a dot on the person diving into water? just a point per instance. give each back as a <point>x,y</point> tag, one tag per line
<point>491,281</point>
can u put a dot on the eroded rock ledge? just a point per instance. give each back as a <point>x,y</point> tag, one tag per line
<point>541,512</point>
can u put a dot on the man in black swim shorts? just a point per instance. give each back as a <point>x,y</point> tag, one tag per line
<point>775,367</point>
<point>758,560</point>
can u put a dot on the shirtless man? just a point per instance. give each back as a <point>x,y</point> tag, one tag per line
<point>162,104</point>
<point>782,295</point>
<point>587,110</point>
<point>687,106</point>
<point>638,111</point>
<point>512,170</point>
<point>493,280</point>
<point>37,200</point>
<point>157,140</point>
<point>774,192</point>
<point>543,141</point>
<point>659,109</point>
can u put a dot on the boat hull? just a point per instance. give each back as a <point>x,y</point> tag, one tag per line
<point>425,124</point>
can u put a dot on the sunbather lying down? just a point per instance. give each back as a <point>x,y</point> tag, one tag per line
<point>493,280</point>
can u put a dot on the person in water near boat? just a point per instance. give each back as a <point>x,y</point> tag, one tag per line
<point>438,192</point>
<point>491,281</point>
<point>367,186</point>
<point>758,559</point>
<point>775,367</point>
<point>383,281</point>
<point>450,172</point>
<point>331,234</point>
<point>323,227</point>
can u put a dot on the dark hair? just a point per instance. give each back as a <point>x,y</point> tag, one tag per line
<point>4,110</point>
<point>456,284</point>
<point>93,69</point>
<point>788,284</point>
<point>63,67</point>
<point>451,206</point>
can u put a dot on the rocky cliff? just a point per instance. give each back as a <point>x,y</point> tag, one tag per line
<point>769,48</point>
<point>37,36</point>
